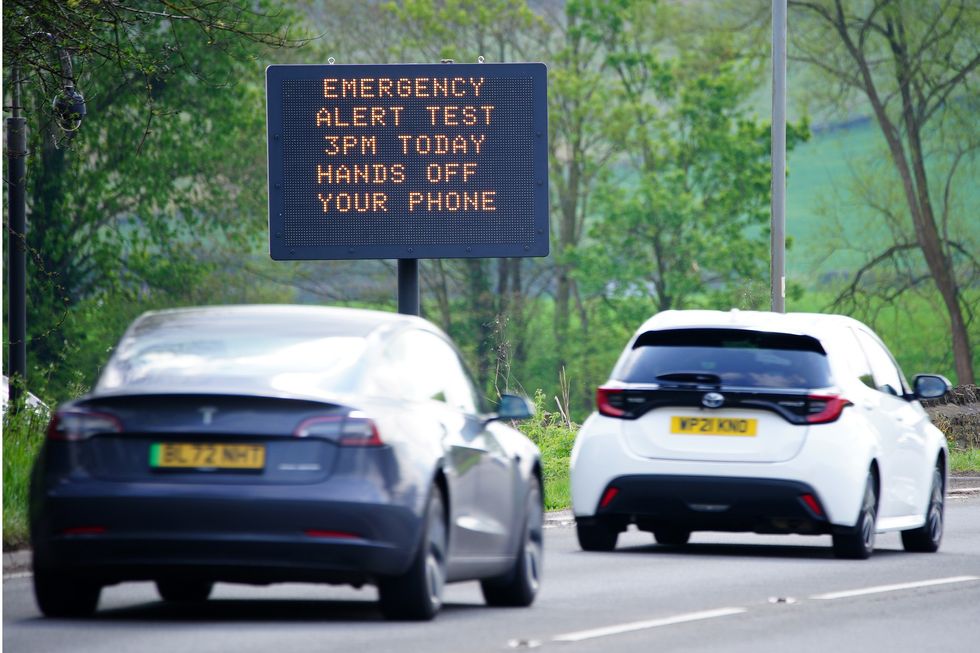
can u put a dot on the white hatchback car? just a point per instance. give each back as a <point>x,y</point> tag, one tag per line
<point>760,422</point>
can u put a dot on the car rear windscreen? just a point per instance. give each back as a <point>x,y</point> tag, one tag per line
<point>229,360</point>
<point>731,357</point>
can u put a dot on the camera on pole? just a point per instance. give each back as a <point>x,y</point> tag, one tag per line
<point>69,104</point>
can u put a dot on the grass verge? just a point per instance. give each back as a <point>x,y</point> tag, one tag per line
<point>555,437</point>
<point>23,432</point>
<point>962,461</point>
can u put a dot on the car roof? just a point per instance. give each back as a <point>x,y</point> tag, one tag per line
<point>816,325</point>
<point>295,319</point>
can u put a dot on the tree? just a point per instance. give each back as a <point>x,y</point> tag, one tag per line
<point>685,207</point>
<point>916,64</point>
<point>578,99</point>
<point>136,210</point>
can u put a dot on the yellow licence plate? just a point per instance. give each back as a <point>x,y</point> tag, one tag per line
<point>207,455</point>
<point>713,426</point>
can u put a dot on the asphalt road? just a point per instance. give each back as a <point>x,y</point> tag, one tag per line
<point>723,592</point>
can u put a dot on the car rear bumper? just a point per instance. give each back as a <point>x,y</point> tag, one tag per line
<point>258,536</point>
<point>712,503</point>
<point>834,462</point>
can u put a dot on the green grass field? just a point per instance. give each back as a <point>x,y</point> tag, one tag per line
<point>915,330</point>
<point>819,174</point>
<point>832,232</point>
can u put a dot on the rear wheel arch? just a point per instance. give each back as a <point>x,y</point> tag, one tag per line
<point>943,468</point>
<point>441,483</point>
<point>876,473</point>
<point>538,473</point>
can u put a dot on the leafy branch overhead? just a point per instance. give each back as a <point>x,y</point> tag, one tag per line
<point>682,210</point>
<point>109,37</point>
<point>164,168</point>
<point>916,65</point>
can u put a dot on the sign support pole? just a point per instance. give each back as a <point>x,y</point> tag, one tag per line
<point>408,286</point>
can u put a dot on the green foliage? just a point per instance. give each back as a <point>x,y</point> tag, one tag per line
<point>682,214</point>
<point>915,65</point>
<point>162,184</point>
<point>965,461</point>
<point>555,436</point>
<point>113,33</point>
<point>461,29</point>
<point>23,433</point>
<point>910,328</point>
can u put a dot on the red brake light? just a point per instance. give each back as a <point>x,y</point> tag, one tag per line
<point>76,425</point>
<point>353,430</point>
<point>608,496</point>
<point>610,401</point>
<point>84,530</point>
<point>360,431</point>
<point>812,503</point>
<point>826,408</point>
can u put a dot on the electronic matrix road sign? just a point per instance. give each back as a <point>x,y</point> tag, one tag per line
<point>407,160</point>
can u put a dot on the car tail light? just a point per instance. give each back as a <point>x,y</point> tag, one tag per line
<point>825,408</point>
<point>352,430</point>
<point>84,530</point>
<point>812,503</point>
<point>608,496</point>
<point>73,425</point>
<point>611,402</point>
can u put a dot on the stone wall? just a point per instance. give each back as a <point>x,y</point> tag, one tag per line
<point>958,415</point>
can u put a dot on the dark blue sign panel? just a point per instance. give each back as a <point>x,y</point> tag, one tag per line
<point>407,161</point>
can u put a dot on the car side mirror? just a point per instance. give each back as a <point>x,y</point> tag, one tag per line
<point>930,386</point>
<point>513,407</point>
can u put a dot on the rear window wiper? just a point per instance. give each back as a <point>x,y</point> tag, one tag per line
<point>695,378</point>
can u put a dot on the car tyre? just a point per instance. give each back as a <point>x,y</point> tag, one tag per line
<point>858,543</point>
<point>416,595</point>
<point>596,536</point>
<point>671,535</point>
<point>184,591</point>
<point>519,586</point>
<point>928,537</point>
<point>61,595</point>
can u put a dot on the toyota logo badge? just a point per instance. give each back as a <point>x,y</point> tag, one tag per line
<point>713,400</point>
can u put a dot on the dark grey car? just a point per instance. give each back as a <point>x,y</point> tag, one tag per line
<point>260,444</point>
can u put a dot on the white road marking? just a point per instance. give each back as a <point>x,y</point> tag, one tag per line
<point>643,625</point>
<point>18,574</point>
<point>894,588</point>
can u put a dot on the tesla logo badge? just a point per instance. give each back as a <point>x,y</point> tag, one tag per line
<point>712,400</point>
<point>207,413</point>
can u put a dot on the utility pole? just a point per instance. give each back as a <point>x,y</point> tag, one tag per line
<point>777,261</point>
<point>17,243</point>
